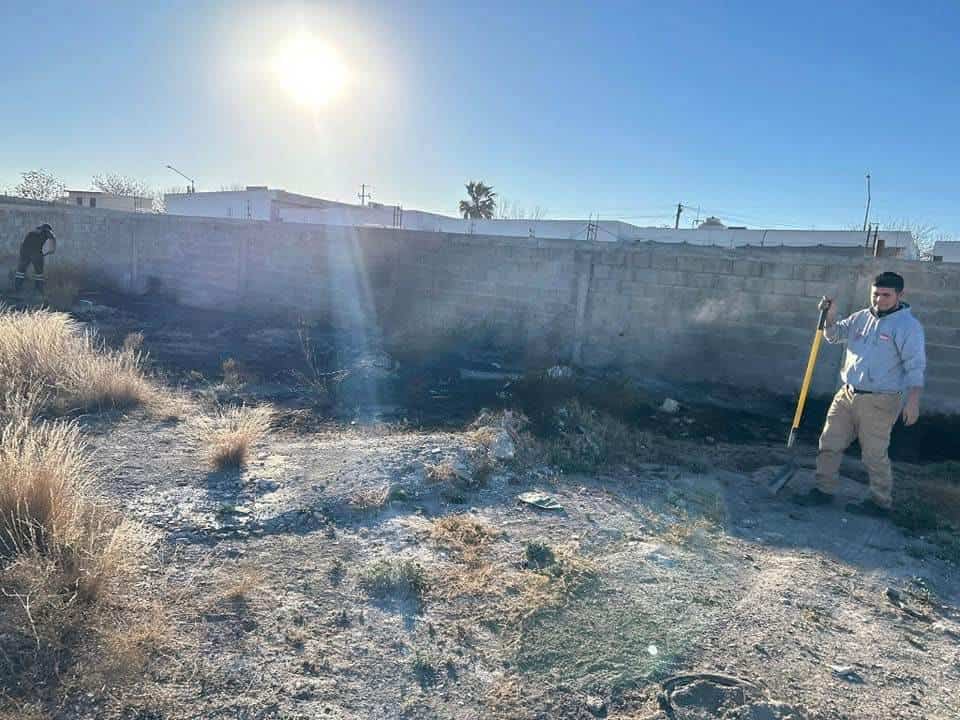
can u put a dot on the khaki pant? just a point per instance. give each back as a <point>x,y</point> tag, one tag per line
<point>869,418</point>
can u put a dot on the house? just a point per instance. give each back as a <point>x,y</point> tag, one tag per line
<point>273,205</point>
<point>108,201</point>
<point>946,251</point>
<point>256,202</point>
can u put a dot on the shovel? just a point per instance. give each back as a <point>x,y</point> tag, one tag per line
<point>786,474</point>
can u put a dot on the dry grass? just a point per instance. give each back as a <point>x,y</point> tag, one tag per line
<point>68,564</point>
<point>232,433</point>
<point>438,473</point>
<point>587,438</point>
<point>242,586</point>
<point>65,281</point>
<point>52,355</point>
<point>464,536</point>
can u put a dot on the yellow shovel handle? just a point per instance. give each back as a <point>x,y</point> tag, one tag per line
<point>808,375</point>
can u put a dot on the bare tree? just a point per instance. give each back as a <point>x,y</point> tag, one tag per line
<point>507,210</point>
<point>924,235</point>
<point>40,185</point>
<point>117,184</point>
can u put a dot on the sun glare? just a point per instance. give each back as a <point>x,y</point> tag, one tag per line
<point>309,71</point>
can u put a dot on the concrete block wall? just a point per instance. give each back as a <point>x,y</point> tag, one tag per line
<point>744,317</point>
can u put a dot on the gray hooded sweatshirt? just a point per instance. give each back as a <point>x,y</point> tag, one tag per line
<point>884,354</point>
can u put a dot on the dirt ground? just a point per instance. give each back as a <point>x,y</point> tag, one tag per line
<point>374,559</point>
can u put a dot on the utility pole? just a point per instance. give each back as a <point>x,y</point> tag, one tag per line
<point>363,195</point>
<point>866,214</point>
<point>676,223</point>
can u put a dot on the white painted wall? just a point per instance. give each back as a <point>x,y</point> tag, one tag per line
<point>949,250</point>
<point>233,204</point>
<point>104,201</point>
<point>236,204</point>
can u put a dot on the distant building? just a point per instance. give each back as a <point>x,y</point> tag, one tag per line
<point>946,251</point>
<point>257,202</point>
<point>272,205</point>
<point>108,201</point>
<point>711,223</point>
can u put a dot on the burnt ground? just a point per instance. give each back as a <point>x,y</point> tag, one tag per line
<point>667,584</point>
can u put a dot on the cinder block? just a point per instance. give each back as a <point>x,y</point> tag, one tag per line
<point>640,258</point>
<point>669,277</point>
<point>776,270</point>
<point>699,279</point>
<point>663,261</point>
<point>820,289</point>
<point>750,268</point>
<point>730,283</point>
<point>644,275</point>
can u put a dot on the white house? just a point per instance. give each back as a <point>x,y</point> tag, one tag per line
<point>108,201</point>
<point>257,202</point>
<point>946,251</point>
<point>262,203</point>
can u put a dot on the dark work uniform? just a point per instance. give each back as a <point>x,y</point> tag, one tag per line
<point>31,253</point>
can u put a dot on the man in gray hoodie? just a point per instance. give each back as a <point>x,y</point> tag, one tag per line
<point>885,361</point>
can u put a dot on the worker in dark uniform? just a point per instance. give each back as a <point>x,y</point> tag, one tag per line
<point>32,253</point>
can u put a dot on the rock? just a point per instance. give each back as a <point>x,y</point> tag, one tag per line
<point>463,467</point>
<point>847,672</point>
<point>502,447</point>
<point>670,406</point>
<point>596,706</point>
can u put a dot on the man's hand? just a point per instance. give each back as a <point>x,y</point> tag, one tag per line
<point>911,410</point>
<point>830,306</point>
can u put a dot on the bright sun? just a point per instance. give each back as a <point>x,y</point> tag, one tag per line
<point>309,71</point>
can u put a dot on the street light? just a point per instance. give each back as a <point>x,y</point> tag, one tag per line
<point>191,188</point>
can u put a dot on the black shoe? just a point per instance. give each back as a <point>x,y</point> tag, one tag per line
<point>813,498</point>
<point>868,508</point>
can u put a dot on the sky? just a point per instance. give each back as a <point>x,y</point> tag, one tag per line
<point>766,114</point>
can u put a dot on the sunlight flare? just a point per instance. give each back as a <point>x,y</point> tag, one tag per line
<point>311,72</point>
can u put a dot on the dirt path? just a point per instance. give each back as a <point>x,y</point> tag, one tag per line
<point>656,572</point>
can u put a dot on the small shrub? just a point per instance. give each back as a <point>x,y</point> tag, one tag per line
<point>232,433</point>
<point>52,353</point>
<point>538,555</point>
<point>231,372</point>
<point>403,581</point>
<point>585,439</point>
<point>133,342</point>
<point>425,670</point>
<point>337,572</point>
<point>243,584</point>
<point>464,535</point>
<point>69,565</point>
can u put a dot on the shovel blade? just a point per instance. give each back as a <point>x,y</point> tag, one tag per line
<point>780,480</point>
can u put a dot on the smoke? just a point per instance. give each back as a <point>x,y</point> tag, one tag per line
<point>714,311</point>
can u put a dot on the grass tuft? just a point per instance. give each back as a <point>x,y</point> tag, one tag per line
<point>586,439</point>
<point>50,355</point>
<point>233,432</point>
<point>68,563</point>
<point>395,580</point>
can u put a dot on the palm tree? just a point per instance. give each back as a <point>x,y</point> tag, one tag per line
<point>481,204</point>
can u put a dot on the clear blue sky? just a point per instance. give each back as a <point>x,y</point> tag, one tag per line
<point>766,113</point>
